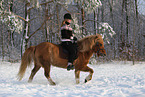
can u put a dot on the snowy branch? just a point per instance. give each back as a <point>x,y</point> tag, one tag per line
<point>40,26</point>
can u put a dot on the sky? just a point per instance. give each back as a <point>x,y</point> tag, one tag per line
<point>141,7</point>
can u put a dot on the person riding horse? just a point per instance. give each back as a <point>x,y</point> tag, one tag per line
<point>67,38</point>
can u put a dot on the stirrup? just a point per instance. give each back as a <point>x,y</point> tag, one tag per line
<point>70,66</point>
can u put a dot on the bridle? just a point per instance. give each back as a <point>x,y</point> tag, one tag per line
<point>98,49</point>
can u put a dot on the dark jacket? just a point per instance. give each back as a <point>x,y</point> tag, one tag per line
<point>66,32</point>
<point>66,38</point>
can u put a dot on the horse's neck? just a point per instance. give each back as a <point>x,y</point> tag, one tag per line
<point>88,54</point>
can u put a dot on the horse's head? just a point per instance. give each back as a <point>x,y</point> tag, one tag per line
<point>99,46</point>
<point>92,42</point>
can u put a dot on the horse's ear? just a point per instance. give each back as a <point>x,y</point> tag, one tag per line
<point>95,39</point>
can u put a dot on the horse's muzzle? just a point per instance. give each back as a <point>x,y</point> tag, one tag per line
<point>102,54</point>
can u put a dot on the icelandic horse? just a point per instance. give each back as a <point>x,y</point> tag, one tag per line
<point>46,54</point>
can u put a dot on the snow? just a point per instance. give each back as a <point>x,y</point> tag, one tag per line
<point>114,79</point>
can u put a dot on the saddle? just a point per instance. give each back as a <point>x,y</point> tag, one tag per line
<point>63,53</point>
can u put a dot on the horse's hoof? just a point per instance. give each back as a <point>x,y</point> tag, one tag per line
<point>53,84</point>
<point>86,81</point>
<point>77,81</point>
<point>29,81</point>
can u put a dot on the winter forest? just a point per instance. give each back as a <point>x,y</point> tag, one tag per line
<point>24,23</point>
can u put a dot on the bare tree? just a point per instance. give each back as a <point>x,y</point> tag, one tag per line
<point>134,31</point>
<point>46,23</point>
<point>2,40</point>
<point>46,19</point>
<point>83,21</point>
<point>122,34</point>
<point>11,33</point>
<point>127,21</point>
<point>26,32</point>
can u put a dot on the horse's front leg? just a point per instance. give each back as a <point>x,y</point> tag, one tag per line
<point>88,69</point>
<point>77,76</point>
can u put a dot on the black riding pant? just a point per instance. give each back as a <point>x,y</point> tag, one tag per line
<point>71,48</point>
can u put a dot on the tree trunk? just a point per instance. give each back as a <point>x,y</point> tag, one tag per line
<point>58,22</point>
<point>134,30</point>
<point>102,15</point>
<point>11,33</point>
<point>2,39</point>
<point>24,45</point>
<point>127,21</point>
<point>83,21</point>
<point>127,29</point>
<point>136,7</point>
<point>121,35</point>
<point>96,21</point>
<point>95,24</point>
<point>137,29</point>
<point>112,17</point>
<point>111,11</point>
<point>46,23</point>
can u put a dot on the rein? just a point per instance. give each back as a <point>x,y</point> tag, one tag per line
<point>98,50</point>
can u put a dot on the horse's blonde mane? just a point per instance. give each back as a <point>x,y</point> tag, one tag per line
<point>85,44</point>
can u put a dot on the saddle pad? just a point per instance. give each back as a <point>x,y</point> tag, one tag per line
<point>63,53</point>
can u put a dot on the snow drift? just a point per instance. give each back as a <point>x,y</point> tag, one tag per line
<point>115,79</point>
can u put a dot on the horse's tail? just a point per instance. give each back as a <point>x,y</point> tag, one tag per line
<point>26,61</point>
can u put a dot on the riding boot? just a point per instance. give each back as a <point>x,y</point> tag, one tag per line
<point>70,66</point>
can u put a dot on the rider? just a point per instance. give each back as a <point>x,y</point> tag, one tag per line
<point>66,39</point>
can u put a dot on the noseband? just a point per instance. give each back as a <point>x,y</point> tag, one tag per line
<point>98,50</point>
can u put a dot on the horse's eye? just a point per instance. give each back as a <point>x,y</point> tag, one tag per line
<point>97,44</point>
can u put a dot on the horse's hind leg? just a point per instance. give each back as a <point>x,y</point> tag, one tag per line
<point>33,72</point>
<point>47,74</point>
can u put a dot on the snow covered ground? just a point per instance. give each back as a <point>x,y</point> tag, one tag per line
<point>115,79</point>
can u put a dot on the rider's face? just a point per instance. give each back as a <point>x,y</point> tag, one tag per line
<point>69,20</point>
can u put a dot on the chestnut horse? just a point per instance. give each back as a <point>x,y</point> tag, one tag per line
<point>46,54</point>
